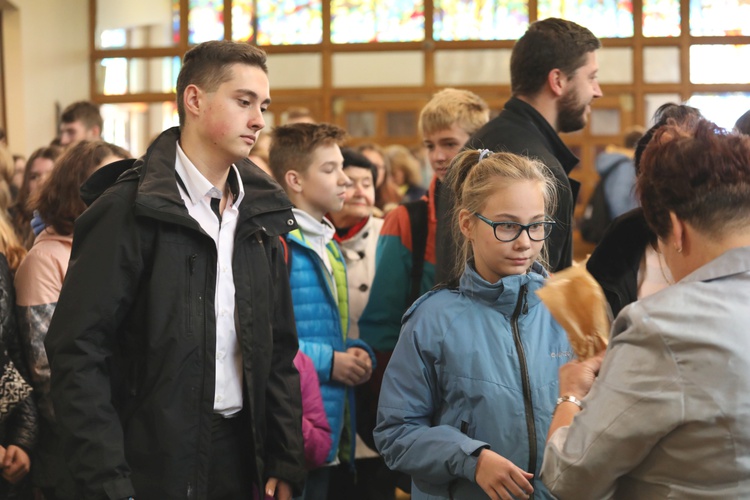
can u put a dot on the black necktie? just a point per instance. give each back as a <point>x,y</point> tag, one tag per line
<point>215,202</point>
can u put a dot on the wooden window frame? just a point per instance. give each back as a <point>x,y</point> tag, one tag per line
<point>333,102</point>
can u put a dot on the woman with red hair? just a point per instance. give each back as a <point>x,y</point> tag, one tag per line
<point>668,415</point>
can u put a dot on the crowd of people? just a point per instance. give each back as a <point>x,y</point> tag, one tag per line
<point>237,315</point>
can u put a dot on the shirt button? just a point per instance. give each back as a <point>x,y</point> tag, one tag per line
<point>220,355</point>
<point>290,222</point>
<point>219,398</point>
<point>363,287</point>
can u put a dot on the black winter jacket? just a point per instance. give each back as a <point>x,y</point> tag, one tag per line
<point>520,129</point>
<point>133,339</point>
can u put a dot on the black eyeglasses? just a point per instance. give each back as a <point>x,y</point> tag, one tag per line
<point>509,231</point>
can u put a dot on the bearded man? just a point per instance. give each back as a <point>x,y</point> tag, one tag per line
<point>553,73</point>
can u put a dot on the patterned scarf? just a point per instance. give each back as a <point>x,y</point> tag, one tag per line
<point>13,388</point>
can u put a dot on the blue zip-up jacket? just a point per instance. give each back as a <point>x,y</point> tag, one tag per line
<point>322,321</point>
<point>473,368</point>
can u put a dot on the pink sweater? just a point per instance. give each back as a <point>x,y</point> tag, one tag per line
<point>315,429</point>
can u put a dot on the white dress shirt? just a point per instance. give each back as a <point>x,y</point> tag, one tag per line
<point>197,192</point>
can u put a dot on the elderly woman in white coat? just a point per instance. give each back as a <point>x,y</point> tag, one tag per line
<point>357,232</point>
<point>669,414</point>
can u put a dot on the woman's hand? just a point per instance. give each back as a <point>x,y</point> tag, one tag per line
<point>500,478</point>
<point>16,464</point>
<point>577,377</point>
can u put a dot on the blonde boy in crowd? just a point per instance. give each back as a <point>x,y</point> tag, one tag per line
<point>446,123</point>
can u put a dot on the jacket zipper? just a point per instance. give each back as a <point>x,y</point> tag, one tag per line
<point>522,308</point>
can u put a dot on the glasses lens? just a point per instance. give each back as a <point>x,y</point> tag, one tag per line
<point>540,231</point>
<point>507,231</point>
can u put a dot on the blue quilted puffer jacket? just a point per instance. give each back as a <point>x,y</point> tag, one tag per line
<point>322,320</point>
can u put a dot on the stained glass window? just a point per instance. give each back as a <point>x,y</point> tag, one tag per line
<point>362,21</point>
<point>480,19</point>
<point>242,20</point>
<point>287,22</point>
<point>719,17</point>
<point>719,63</point>
<point>661,18</point>
<point>205,20</point>
<point>605,18</point>
<point>176,21</point>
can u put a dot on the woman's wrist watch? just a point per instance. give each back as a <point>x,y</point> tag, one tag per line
<point>569,399</point>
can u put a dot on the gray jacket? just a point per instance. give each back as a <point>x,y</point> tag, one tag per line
<point>669,415</point>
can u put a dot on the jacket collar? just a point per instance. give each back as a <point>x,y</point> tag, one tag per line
<point>504,293</point>
<point>542,127</point>
<point>731,262</point>
<point>158,196</point>
<point>197,186</point>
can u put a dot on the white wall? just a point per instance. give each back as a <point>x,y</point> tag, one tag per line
<point>45,44</point>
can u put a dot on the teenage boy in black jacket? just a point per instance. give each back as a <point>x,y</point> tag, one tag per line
<point>172,343</point>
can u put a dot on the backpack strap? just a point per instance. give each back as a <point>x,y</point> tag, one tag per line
<point>417,211</point>
<point>287,254</point>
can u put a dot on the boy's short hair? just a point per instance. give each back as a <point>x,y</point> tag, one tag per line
<point>292,146</point>
<point>353,158</point>
<point>548,44</point>
<point>454,106</point>
<point>85,112</point>
<point>207,66</point>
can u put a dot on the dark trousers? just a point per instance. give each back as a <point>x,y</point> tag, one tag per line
<point>231,465</point>
<point>316,485</point>
<point>373,481</point>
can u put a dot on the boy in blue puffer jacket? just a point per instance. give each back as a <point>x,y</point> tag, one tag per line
<point>306,160</point>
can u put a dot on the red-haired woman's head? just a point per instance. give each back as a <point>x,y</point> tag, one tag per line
<point>699,172</point>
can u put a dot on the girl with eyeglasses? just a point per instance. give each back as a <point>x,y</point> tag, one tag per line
<point>469,393</point>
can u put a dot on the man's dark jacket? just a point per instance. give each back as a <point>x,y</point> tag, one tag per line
<point>520,129</point>
<point>132,343</point>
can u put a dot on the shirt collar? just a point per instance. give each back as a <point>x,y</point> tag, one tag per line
<point>314,228</point>
<point>197,186</point>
